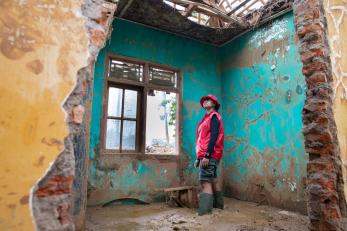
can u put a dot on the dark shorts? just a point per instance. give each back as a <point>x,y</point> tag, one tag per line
<point>210,172</point>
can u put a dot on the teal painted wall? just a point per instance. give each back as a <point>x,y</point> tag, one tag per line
<point>258,78</point>
<point>263,96</point>
<point>115,176</point>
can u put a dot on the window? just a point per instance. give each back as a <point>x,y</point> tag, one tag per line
<point>122,116</point>
<point>140,108</point>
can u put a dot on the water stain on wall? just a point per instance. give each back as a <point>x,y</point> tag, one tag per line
<point>263,97</point>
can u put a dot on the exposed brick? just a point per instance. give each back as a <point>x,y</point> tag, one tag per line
<point>331,213</point>
<point>321,92</point>
<point>320,150</point>
<point>324,180</point>
<point>56,185</point>
<point>318,118</point>
<point>97,37</point>
<point>320,166</point>
<point>308,28</point>
<point>308,55</point>
<point>328,198</point>
<point>316,79</point>
<point>316,105</point>
<point>311,68</point>
<point>327,181</point>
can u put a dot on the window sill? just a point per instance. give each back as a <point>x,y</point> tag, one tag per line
<point>141,156</point>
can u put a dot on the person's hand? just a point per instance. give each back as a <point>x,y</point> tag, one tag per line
<point>196,164</point>
<point>204,162</point>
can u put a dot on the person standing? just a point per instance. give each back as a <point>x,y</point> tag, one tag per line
<point>209,151</point>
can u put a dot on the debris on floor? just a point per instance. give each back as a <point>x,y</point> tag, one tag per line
<point>237,216</point>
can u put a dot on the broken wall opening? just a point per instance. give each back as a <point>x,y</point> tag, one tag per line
<point>63,209</point>
<point>58,199</point>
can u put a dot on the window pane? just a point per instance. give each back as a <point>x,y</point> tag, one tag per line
<point>129,131</point>
<point>162,77</point>
<point>113,134</point>
<point>130,104</point>
<point>161,123</point>
<point>126,70</point>
<point>114,107</point>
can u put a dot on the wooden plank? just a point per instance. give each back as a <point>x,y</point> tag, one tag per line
<point>179,188</point>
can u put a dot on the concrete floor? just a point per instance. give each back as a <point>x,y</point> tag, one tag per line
<point>237,216</point>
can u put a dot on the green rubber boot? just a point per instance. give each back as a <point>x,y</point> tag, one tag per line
<point>205,203</point>
<point>218,200</point>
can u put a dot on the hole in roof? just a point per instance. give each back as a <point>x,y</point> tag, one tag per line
<point>216,14</point>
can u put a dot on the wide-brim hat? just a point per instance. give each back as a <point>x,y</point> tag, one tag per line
<point>211,97</point>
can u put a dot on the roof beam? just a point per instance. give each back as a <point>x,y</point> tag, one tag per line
<point>247,7</point>
<point>238,7</point>
<point>125,8</point>
<point>222,8</point>
<point>189,10</point>
<point>206,7</point>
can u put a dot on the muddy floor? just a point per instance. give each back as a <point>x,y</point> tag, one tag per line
<point>238,216</point>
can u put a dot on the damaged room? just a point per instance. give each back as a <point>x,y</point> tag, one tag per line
<point>173,115</point>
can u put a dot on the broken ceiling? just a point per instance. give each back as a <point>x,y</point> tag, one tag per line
<point>216,21</point>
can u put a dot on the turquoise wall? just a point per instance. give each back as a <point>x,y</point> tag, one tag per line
<point>115,176</point>
<point>258,78</point>
<point>263,96</point>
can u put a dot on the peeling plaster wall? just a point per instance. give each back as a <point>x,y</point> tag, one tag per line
<point>39,59</point>
<point>263,96</point>
<point>336,14</point>
<point>114,176</point>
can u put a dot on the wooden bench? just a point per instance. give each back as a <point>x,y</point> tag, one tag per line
<point>184,196</point>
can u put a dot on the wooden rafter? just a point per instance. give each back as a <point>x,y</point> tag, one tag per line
<point>247,7</point>
<point>212,11</point>
<point>238,7</point>
<point>220,13</point>
<point>216,22</point>
<point>189,10</point>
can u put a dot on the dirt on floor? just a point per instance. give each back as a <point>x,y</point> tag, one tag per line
<point>237,216</point>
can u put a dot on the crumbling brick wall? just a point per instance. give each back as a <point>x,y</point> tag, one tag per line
<point>326,201</point>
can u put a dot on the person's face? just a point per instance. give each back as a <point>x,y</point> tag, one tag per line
<point>208,104</point>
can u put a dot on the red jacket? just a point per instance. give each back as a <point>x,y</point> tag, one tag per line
<point>203,135</point>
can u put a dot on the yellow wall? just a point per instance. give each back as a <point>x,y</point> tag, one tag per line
<point>336,12</point>
<point>42,45</point>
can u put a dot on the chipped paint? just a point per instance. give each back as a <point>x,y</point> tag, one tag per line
<point>32,91</point>
<point>263,35</point>
<point>263,96</point>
